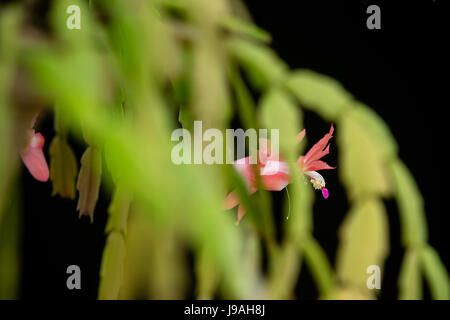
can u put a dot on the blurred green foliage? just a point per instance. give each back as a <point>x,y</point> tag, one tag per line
<point>117,83</point>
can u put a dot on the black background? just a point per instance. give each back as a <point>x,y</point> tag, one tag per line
<point>398,71</point>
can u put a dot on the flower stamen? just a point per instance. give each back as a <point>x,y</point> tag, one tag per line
<point>317,181</point>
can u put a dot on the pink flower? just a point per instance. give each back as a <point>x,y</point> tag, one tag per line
<point>274,172</point>
<point>311,163</point>
<point>33,156</point>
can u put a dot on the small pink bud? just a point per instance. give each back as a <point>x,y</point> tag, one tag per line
<point>325,193</point>
<point>37,141</point>
<point>34,159</point>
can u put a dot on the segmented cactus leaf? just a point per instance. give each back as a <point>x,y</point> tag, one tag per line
<point>278,111</point>
<point>435,273</point>
<point>410,278</point>
<point>111,272</point>
<point>89,180</point>
<point>362,167</point>
<point>364,241</point>
<point>63,168</point>
<point>262,65</point>
<point>410,204</point>
<point>319,93</point>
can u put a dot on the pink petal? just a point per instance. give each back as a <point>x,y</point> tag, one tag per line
<point>317,165</point>
<point>241,213</point>
<point>275,175</point>
<point>264,150</point>
<point>244,167</point>
<point>317,151</point>
<point>33,156</point>
<point>301,135</point>
<point>274,167</point>
<point>320,154</point>
<point>276,182</point>
<point>34,160</point>
<point>232,200</point>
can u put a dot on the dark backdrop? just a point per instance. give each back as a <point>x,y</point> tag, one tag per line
<point>398,71</point>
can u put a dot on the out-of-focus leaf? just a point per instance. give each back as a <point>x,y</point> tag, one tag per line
<point>111,272</point>
<point>210,97</point>
<point>206,14</point>
<point>247,113</point>
<point>63,168</point>
<point>410,204</point>
<point>210,91</point>
<point>376,128</point>
<point>241,27</point>
<point>319,93</point>
<point>262,65</point>
<point>410,278</point>
<point>252,255</point>
<point>181,91</point>
<point>168,268</point>
<point>300,222</point>
<point>173,4</point>
<point>61,124</point>
<point>207,277</point>
<point>84,88</point>
<point>118,211</point>
<point>113,161</point>
<point>277,111</point>
<point>238,8</point>
<point>3,163</point>
<point>90,137</point>
<point>364,241</point>
<point>6,143</point>
<point>349,294</point>
<point>318,265</point>
<point>155,263</point>
<point>245,104</point>
<point>284,271</point>
<point>435,274</point>
<point>142,59</point>
<point>363,169</point>
<point>138,257</point>
<point>89,180</point>
<point>10,18</point>
<point>185,118</point>
<point>10,251</point>
<point>81,38</point>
